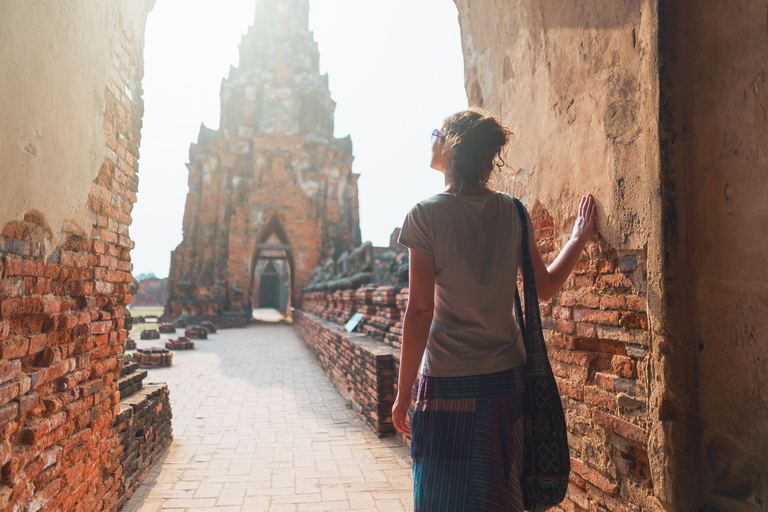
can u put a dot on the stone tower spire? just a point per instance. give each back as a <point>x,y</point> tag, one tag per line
<point>271,192</point>
<point>278,80</point>
<point>293,12</point>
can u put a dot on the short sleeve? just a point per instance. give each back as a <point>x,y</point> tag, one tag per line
<point>528,221</point>
<point>416,232</point>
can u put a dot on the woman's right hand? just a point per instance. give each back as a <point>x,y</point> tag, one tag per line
<point>550,279</point>
<point>400,410</point>
<point>585,222</point>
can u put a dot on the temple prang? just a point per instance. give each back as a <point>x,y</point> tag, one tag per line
<point>271,192</point>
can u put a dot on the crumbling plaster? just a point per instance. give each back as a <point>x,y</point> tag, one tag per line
<point>55,60</point>
<point>577,86</point>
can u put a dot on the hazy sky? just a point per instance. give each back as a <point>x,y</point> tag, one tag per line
<point>395,71</point>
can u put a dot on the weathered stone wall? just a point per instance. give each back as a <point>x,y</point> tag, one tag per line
<point>658,109</point>
<point>71,80</point>
<point>714,153</point>
<point>272,174</point>
<point>57,83</point>
<point>577,84</point>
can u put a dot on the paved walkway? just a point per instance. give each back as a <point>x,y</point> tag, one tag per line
<point>258,427</point>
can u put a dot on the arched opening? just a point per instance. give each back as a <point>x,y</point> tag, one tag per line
<point>272,275</point>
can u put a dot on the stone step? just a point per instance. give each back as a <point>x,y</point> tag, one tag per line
<point>128,369</point>
<point>130,384</point>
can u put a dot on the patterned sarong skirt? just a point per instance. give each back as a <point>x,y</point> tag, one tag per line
<point>467,443</point>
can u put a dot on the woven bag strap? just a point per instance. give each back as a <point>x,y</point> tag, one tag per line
<point>532,317</point>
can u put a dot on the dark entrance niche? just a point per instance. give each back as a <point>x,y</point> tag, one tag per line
<point>269,288</point>
<point>276,280</point>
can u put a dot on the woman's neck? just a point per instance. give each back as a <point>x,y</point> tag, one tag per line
<point>477,190</point>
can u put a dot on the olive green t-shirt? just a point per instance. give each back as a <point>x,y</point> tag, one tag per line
<point>475,242</point>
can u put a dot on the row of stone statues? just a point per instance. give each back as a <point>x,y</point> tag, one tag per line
<point>364,265</point>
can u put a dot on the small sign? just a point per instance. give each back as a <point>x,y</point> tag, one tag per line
<point>350,326</point>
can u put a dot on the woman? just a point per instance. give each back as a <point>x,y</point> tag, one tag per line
<point>465,249</point>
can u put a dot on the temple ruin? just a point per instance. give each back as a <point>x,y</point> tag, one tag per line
<point>271,193</point>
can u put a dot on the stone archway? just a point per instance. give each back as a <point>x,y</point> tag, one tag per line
<point>273,261</point>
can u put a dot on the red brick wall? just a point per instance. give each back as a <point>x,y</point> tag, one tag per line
<point>597,336</point>
<point>383,307</point>
<point>151,293</point>
<point>62,326</point>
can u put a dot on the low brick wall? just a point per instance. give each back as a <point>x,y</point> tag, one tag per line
<point>360,366</point>
<point>143,426</point>
<point>382,326</point>
<point>131,381</point>
<point>383,307</point>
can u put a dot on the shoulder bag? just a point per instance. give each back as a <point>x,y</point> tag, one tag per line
<point>546,460</point>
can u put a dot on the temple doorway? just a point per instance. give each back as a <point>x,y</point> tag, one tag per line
<point>272,273</point>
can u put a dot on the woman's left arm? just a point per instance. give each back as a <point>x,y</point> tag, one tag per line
<point>550,279</point>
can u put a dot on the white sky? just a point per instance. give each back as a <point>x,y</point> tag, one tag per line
<point>395,71</point>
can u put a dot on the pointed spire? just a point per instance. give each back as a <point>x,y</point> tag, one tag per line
<point>277,87</point>
<point>288,12</point>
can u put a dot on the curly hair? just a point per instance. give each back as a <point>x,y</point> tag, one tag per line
<point>476,140</point>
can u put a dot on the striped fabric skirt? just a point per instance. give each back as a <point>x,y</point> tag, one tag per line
<point>467,443</point>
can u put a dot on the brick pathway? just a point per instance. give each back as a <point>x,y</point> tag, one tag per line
<point>259,427</point>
